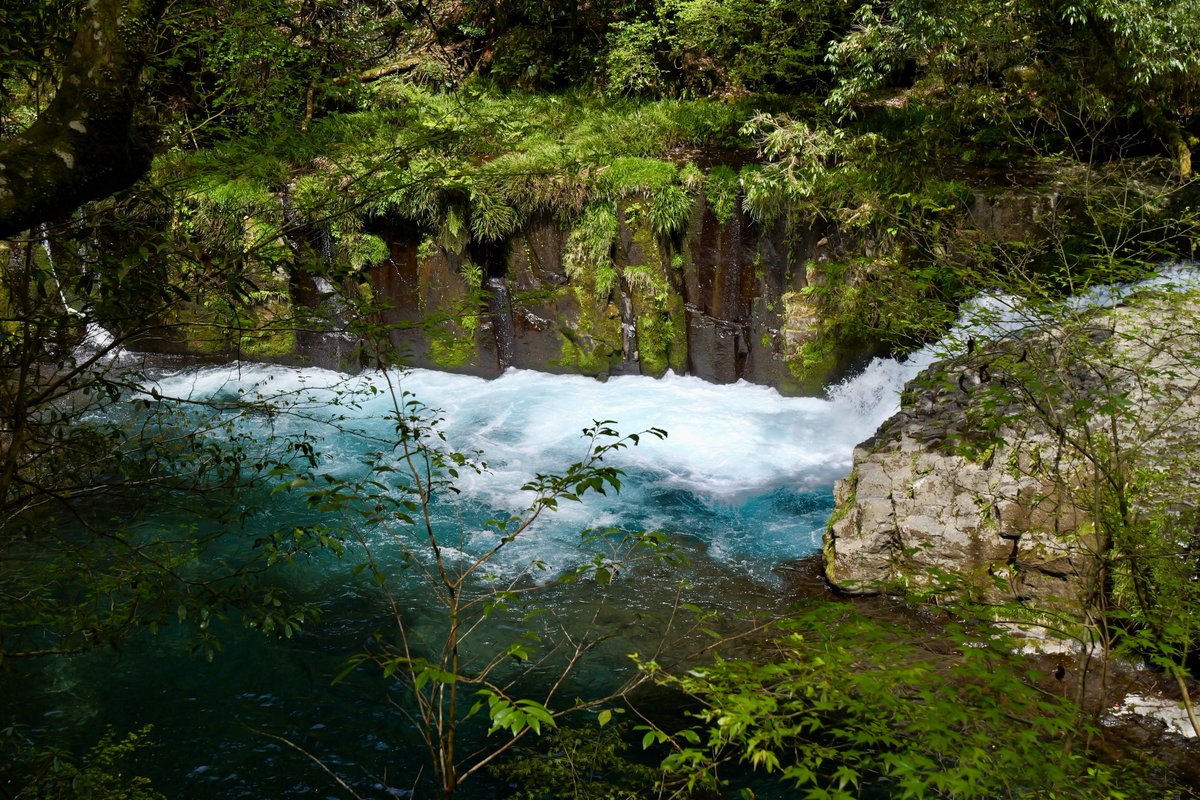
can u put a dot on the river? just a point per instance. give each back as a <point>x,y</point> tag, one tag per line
<point>742,481</point>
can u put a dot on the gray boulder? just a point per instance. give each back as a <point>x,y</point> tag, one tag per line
<point>990,481</point>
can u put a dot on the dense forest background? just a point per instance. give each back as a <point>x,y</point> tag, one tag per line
<point>182,172</point>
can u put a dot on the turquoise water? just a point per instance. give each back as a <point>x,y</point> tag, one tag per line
<point>743,471</point>
<point>742,481</point>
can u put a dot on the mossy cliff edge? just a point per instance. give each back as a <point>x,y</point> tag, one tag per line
<point>608,294</point>
<point>577,235</point>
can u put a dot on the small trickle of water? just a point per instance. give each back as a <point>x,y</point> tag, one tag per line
<point>502,320</point>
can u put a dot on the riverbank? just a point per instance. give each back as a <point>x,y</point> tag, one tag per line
<point>1138,707</point>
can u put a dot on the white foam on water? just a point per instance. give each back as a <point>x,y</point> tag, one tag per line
<point>727,445</point>
<point>873,395</point>
<point>98,343</point>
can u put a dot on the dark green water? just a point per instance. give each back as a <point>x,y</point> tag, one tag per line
<point>212,718</point>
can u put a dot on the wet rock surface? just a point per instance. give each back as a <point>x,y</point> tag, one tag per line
<point>720,299</point>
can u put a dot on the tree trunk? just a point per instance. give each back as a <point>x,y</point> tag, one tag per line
<point>85,145</point>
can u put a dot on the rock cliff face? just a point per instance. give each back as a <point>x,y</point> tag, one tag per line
<point>725,299</point>
<point>720,300</point>
<point>992,479</point>
<point>916,514</point>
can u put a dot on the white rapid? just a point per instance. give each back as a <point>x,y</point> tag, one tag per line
<point>873,395</point>
<point>745,473</point>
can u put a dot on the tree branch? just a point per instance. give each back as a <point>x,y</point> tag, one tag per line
<point>404,65</point>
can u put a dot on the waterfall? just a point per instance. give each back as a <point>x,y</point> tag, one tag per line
<point>630,358</point>
<point>97,340</point>
<point>338,342</point>
<point>732,299</point>
<point>742,482</point>
<point>325,244</point>
<point>744,470</point>
<point>874,394</point>
<point>731,296</point>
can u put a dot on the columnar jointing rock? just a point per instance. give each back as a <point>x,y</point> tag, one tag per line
<point>724,301</point>
<point>982,484</point>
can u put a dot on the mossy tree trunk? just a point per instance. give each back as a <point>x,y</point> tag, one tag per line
<point>86,144</point>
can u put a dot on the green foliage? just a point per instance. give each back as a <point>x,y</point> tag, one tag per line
<point>645,280</point>
<point>722,190</point>
<point>514,716</point>
<point>661,342</point>
<point>595,352</point>
<point>124,574</point>
<point>751,45</point>
<point>492,218</point>
<point>820,170</point>
<point>670,210</point>
<point>904,293</point>
<point>842,705</point>
<point>245,69</point>
<point>1155,564</point>
<point>55,775</point>
<point>631,64</point>
<point>590,243</point>
<point>452,341</point>
<point>720,47</point>
<point>629,175</point>
<point>267,183</point>
<point>476,167</point>
<point>35,37</point>
<point>1071,70</point>
<point>1112,399</point>
<point>491,634</point>
<point>579,763</point>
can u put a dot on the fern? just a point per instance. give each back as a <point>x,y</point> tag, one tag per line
<point>589,245</point>
<point>645,279</point>
<point>453,233</point>
<point>722,192</point>
<point>627,176</point>
<point>606,280</point>
<point>670,209</point>
<point>472,274</point>
<point>491,215</point>
<point>359,250</point>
